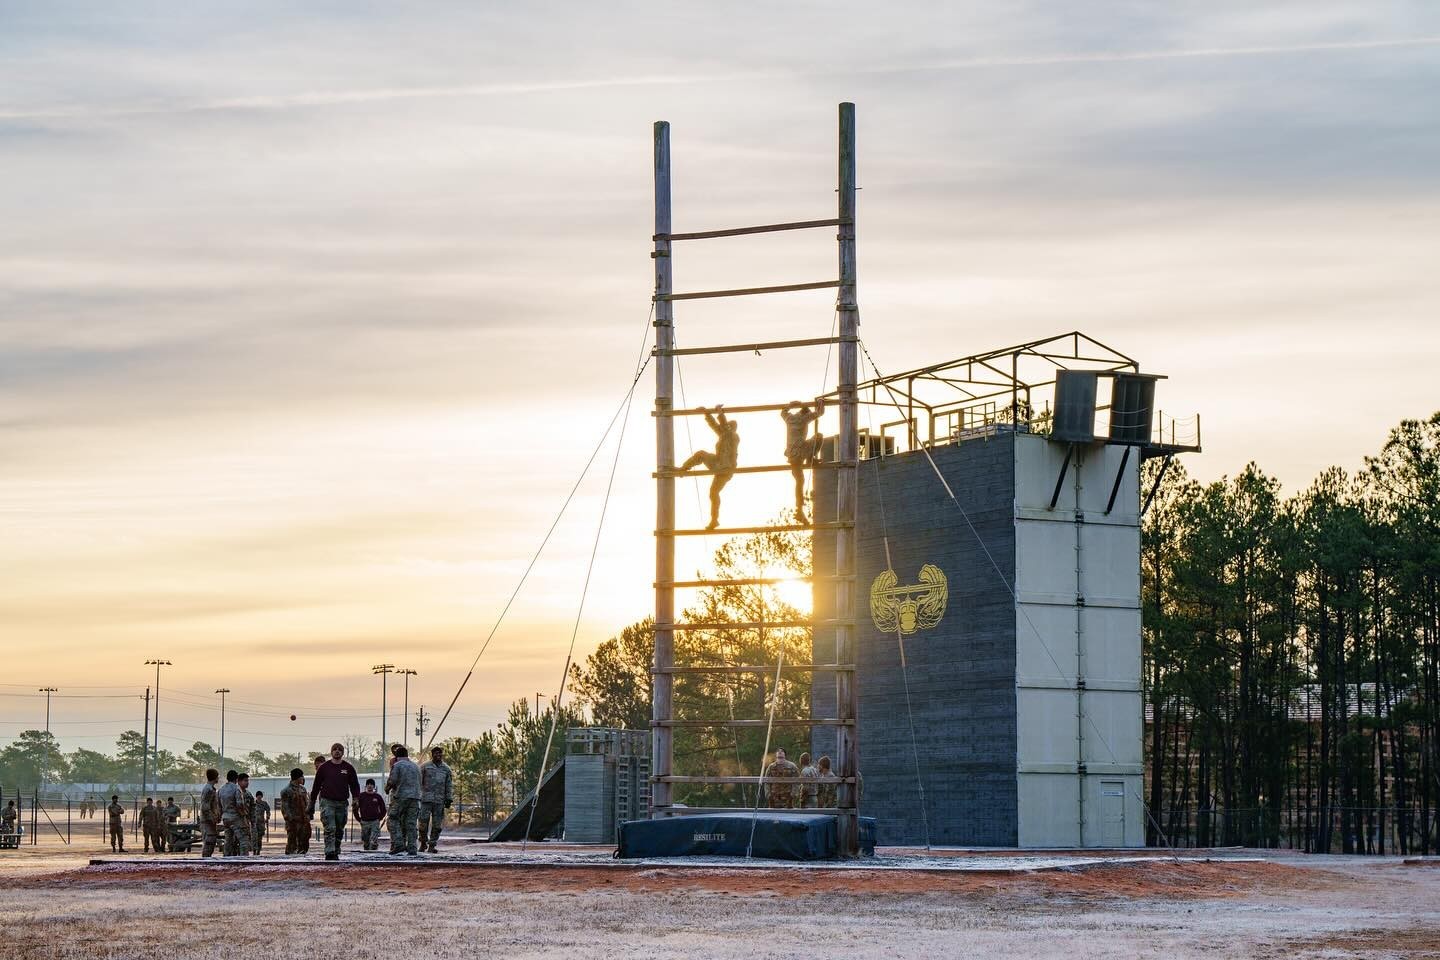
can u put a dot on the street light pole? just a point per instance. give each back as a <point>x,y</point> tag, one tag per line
<point>384,669</point>
<point>407,673</point>
<point>157,664</point>
<point>47,691</point>
<point>222,691</point>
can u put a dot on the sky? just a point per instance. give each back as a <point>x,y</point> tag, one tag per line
<point>312,314</point>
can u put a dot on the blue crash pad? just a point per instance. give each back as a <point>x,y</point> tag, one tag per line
<point>777,836</point>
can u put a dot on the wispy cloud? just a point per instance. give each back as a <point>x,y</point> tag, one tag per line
<point>336,98</point>
<point>1120,56</point>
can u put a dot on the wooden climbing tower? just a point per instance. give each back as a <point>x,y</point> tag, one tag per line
<point>846,447</point>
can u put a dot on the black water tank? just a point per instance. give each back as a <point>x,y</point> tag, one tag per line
<point>1074,406</point>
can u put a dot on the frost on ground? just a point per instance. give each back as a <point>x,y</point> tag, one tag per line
<point>1314,907</point>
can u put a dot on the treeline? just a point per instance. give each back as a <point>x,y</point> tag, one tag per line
<point>1291,649</point>
<point>35,758</point>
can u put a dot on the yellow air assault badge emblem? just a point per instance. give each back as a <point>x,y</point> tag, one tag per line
<point>909,608</point>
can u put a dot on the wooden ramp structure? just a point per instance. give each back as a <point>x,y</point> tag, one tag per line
<point>548,802</point>
<point>844,343</point>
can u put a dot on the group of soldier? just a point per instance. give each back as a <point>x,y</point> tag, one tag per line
<point>155,821</point>
<point>802,451</point>
<point>418,799</point>
<point>789,787</point>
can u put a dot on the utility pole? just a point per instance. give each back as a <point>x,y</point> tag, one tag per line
<point>145,754</point>
<point>157,664</point>
<point>384,670</point>
<point>407,673</point>
<point>47,691</point>
<point>222,691</point>
<point>421,722</point>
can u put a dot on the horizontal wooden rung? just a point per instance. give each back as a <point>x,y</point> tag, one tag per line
<point>777,528</point>
<point>677,811</point>
<point>729,668</point>
<point>751,347</point>
<point>742,231</point>
<point>749,291</point>
<point>788,722</point>
<point>767,468</point>
<point>755,624</point>
<point>751,781</point>
<point>750,408</point>
<point>748,581</point>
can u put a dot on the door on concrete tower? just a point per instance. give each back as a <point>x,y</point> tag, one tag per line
<point>1112,813</point>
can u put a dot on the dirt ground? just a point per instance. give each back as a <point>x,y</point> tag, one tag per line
<point>555,901</point>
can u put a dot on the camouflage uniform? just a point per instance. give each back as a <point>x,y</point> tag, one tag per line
<point>247,820</point>
<point>9,818</point>
<point>826,793</point>
<point>117,826</point>
<point>437,792</point>
<point>332,819</point>
<point>172,817</point>
<point>232,816</point>
<point>404,786</point>
<point>777,780</point>
<point>294,805</point>
<point>147,827</point>
<point>260,822</point>
<point>809,792</point>
<point>209,819</point>
<point>162,836</point>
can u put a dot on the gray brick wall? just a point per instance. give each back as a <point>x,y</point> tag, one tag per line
<point>961,672</point>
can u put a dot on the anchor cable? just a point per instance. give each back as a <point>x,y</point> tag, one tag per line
<point>641,364</point>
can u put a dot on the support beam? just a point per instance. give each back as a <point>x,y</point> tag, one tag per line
<point>749,291</point>
<point>1060,480</point>
<point>752,625</point>
<point>689,811</point>
<point>662,684</point>
<point>1164,465</point>
<point>744,231</point>
<point>748,781</point>
<point>768,669</point>
<point>751,581</point>
<point>748,347</point>
<point>761,724</point>
<point>766,468</point>
<point>1119,475</point>
<point>752,408</point>
<point>777,528</point>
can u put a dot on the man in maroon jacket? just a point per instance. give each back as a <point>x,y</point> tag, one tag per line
<point>336,785</point>
<point>370,810</point>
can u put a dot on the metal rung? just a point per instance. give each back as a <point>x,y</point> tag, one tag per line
<point>751,347</point>
<point>778,528</point>
<point>726,668</point>
<point>789,722</point>
<point>747,581</point>
<point>750,781</point>
<point>768,468</point>
<point>686,811</point>
<point>748,291</point>
<point>742,231</point>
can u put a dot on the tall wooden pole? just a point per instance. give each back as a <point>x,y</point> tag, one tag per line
<point>846,487</point>
<point>662,682</point>
<point>145,757</point>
